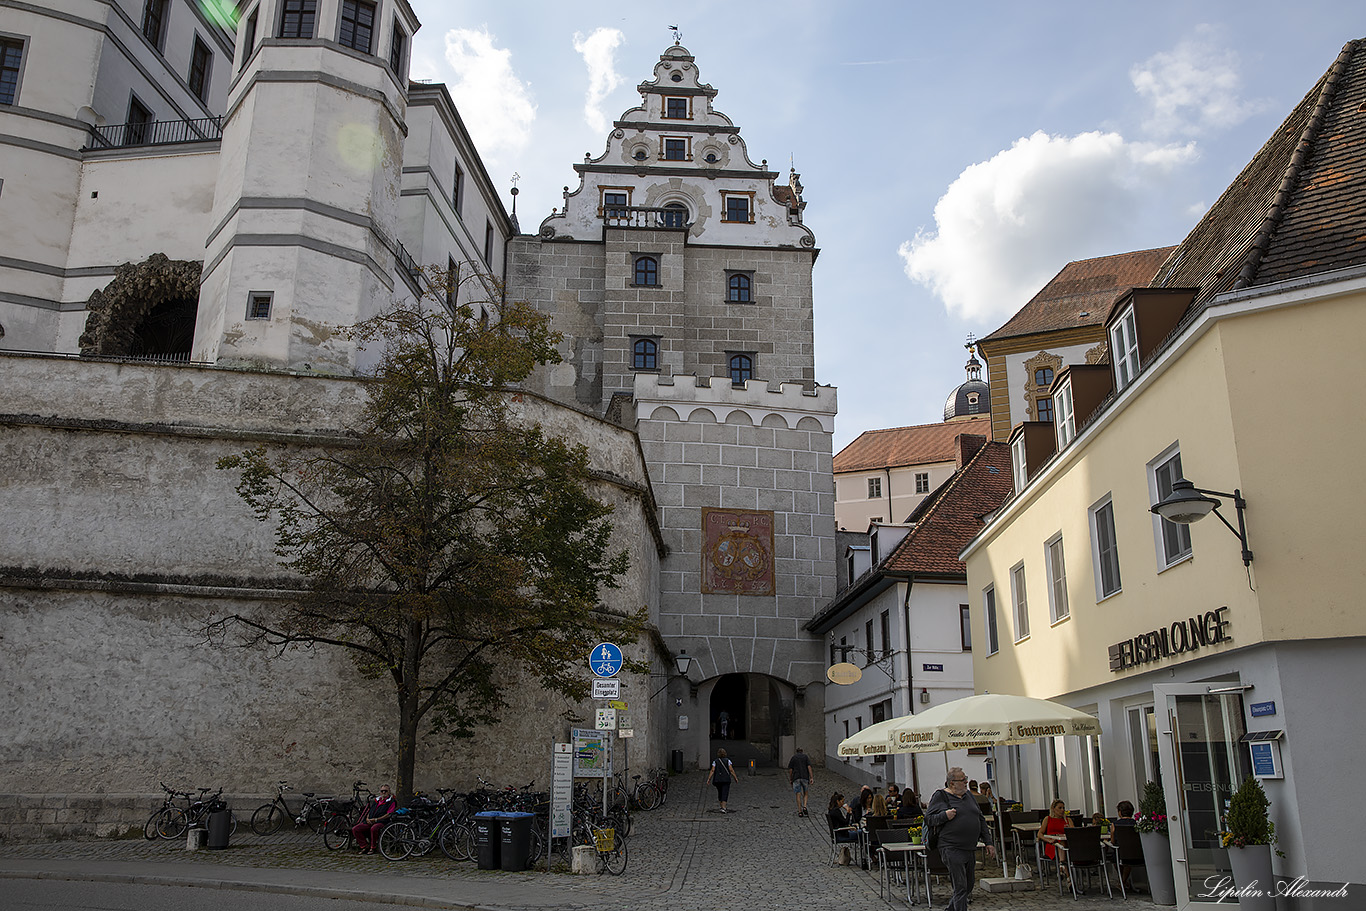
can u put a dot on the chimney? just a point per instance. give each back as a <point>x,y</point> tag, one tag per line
<point>967,445</point>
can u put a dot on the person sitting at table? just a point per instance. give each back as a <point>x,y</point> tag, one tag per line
<point>1126,813</point>
<point>879,807</point>
<point>1051,831</point>
<point>984,791</point>
<point>893,797</point>
<point>837,815</point>
<point>864,807</point>
<point>1098,819</point>
<point>909,807</point>
<point>972,787</point>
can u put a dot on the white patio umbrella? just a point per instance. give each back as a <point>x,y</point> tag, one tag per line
<point>988,720</point>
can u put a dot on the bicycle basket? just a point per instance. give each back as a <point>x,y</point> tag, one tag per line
<point>603,839</point>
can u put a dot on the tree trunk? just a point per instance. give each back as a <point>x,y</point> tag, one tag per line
<point>409,691</point>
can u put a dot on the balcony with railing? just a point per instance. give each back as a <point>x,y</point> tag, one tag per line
<point>644,216</point>
<point>155,133</point>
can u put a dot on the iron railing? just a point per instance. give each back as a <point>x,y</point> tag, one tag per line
<point>644,217</point>
<point>155,133</point>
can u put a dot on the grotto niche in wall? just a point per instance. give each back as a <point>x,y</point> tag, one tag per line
<point>148,310</point>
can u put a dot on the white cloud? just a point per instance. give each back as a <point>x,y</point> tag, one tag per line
<point>1005,226</point>
<point>603,78</point>
<point>494,103</point>
<point>1193,88</point>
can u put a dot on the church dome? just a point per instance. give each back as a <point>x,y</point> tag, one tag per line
<point>971,398</point>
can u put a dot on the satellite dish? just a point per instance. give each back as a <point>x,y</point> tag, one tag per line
<point>844,673</point>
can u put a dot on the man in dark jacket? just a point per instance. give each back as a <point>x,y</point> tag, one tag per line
<point>954,812</point>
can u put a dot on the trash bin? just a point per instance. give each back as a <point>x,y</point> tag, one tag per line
<point>487,835</point>
<point>220,827</point>
<point>515,831</point>
<point>678,762</point>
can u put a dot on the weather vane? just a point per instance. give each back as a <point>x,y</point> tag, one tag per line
<point>678,36</point>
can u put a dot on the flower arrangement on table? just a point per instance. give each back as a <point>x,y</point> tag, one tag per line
<point>1016,807</point>
<point>1152,810</point>
<point>915,833</point>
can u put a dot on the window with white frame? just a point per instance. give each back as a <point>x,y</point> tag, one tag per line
<point>1173,539</point>
<point>1124,349</point>
<point>1057,578</point>
<point>249,37</point>
<point>1062,410</point>
<point>258,304</point>
<point>922,482</point>
<point>11,67</point>
<point>1104,548</point>
<point>965,626</point>
<point>201,60</point>
<point>874,488</point>
<point>1018,467</point>
<point>1020,600</point>
<point>989,613</point>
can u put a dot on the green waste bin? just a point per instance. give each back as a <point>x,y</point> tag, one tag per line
<point>487,838</point>
<point>515,829</point>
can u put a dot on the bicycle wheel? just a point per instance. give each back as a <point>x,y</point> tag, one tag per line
<point>615,859</point>
<point>396,841</point>
<point>313,818</point>
<point>268,819</point>
<point>172,823</point>
<point>232,822</point>
<point>337,832</point>
<point>149,830</point>
<point>456,840</point>
<point>538,841</point>
<point>647,795</point>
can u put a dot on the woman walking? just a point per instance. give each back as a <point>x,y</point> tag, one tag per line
<point>722,774</point>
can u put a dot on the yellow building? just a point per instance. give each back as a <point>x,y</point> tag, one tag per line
<point>1236,369</point>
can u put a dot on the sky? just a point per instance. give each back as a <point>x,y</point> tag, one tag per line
<point>953,161</point>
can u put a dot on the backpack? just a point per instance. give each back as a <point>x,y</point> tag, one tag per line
<point>720,771</point>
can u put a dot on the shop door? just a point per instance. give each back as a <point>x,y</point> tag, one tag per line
<point>1203,763</point>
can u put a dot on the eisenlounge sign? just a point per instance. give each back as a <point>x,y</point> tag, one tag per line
<point>1209,628</point>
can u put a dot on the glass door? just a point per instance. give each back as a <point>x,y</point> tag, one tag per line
<point>1202,764</point>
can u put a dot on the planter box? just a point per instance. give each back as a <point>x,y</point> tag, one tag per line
<point>1157,863</point>
<point>1252,874</point>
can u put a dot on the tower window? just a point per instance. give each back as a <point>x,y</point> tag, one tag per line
<point>200,61</point>
<point>139,129</point>
<point>258,304</point>
<point>741,368</point>
<point>357,25</point>
<point>154,22</point>
<point>647,271</point>
<point>676,108</point>
<point>488,244</point>
<point>738,288</point>
<point>297,18</point>
<point>249,38</point>
<point>11,65</point>
<point>398,49</point>
<point>457,185</point>
<point>737,209</point>
<point>676,150</point>
<point>645,354</point>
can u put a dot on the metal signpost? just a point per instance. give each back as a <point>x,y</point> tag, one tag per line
<point>605,661</point>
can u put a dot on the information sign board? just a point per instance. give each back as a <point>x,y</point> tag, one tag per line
<point>591,759</point>
<point>606,720</point>
<point>561,790</point>
<point>606,689</point>
<point>605,660</point>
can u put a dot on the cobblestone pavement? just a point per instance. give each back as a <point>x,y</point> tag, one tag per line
<point>683,857</point>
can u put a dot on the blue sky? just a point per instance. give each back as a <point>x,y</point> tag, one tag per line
<point>953,162</point>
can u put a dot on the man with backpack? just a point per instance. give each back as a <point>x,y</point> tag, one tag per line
<point>722,774</point>
<point>958,824</point>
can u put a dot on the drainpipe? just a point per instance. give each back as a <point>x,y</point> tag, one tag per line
<point>910,675</point>
<point>890,517</point>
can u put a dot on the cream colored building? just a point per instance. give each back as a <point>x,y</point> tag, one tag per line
<point>1220,372</point>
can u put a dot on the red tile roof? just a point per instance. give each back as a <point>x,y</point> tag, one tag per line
<point>897,447</point>
<point>1299,207</point>
<point>933,546</point>
<point>1089,287</point>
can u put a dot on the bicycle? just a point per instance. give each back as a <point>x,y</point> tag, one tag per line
<point>171,821</point>
<point>164,819</point>
<point>611,847</point>
<point>270,818</point>
<point>340,815</point>
<point>417,830</point>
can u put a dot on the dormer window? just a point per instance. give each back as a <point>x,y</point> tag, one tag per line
<point>1019,471</point>
<point>1124,349</point>
<point>676,108</point>
<point>1062,410</point>
<point>973,399</point>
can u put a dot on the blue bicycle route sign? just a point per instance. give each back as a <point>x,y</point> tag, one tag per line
<point>604,660</point>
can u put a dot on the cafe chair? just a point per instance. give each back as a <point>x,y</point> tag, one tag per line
<point>1084,853</point>
<point>890,862</point>
<point>936,867</point>
<point>1128,850</point>
<point>843,837</point>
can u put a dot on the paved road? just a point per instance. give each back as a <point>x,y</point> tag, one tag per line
<point>684,857</point>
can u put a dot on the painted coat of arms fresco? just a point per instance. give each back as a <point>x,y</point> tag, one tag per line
<point>737,551</point>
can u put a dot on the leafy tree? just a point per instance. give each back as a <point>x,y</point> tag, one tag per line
<point>444,539</point>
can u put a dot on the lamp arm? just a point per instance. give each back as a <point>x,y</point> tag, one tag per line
<point>1239,504</point>
<point>665,685</point>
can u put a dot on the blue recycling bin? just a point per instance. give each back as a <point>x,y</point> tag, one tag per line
<point>515,838</point>
<point>487,838</point>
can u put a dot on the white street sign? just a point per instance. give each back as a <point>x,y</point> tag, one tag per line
<point>606,689</point>
<point>607,720</point>
<point>627,732</point>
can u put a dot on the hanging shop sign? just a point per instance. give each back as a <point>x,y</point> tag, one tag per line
<point>1203,630</point>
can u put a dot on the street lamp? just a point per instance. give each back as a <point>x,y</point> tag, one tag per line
<point>682,662</point>
<point>1188,503</point>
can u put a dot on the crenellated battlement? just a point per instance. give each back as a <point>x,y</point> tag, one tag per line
<point>685,393</point>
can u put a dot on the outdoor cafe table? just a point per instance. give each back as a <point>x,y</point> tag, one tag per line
<point>915,859</point>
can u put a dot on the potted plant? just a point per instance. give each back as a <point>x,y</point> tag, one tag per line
<point>1249,838</point>
<point>915,832</point>
<point>1151,823</point>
